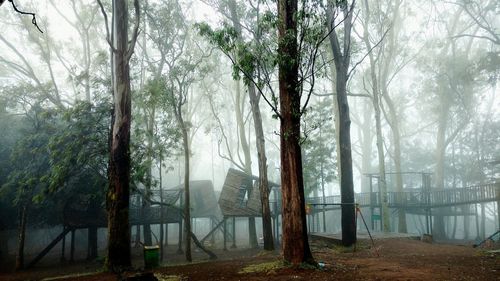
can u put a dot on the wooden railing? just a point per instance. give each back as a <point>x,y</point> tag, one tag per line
<point>415,198</point>
<point>418,198</point>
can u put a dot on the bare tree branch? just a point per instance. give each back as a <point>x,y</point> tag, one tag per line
<point>135,33</point>
<point>33,20</point>
<point>108,36</point>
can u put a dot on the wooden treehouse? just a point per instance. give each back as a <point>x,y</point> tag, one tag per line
<point>85,213</point>
<point>240,197</point>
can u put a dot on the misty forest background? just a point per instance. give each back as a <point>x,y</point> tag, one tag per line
<point>421,81</point>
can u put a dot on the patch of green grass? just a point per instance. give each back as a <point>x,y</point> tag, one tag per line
<point>263,267</point>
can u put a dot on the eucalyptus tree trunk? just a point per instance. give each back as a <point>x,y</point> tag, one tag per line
<point>376,99</point>
<point>162,218</point>
<point>295,245</point>
<point>117,198</point>
<point>392,39</point>
<point>149,180</point>
<point>252,232</point>
<point>382,183</point>
<point>4,236</point>
<point>267,227</point>
<point>177,103</point>
<point>23,216</point>
<point>187,198</point>
<point>342,59</point>
<point>261,152</point>
<point>366,165</point>
<point>396,138</point>
<point>444,107</point>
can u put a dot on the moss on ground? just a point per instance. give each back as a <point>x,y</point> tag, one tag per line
<point>263,267</point>
<point>165,277</point>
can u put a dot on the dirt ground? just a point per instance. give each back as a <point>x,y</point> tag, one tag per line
<point>390,259</point>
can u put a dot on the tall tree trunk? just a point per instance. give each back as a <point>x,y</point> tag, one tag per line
<point>366,165</point>
<point>187,210</point>
<point>342,59</point>
<point>261,152</point>
<point>149,179</point>
<point>396,137</point>
<point>4,247</point>
<point>252,232</point>
<point>376,99</point>
<point>267,227</point>
<point>117,197</point>
<point>92,243</point>
<point>162,218</point>
<point>295,244</point>
<point>23,215</point>
<point>187,198</point>
<point>441,140</point>
<point>382,183</point>
<point>438,228</point>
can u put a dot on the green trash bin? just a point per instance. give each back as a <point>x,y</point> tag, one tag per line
<point>151,256</point>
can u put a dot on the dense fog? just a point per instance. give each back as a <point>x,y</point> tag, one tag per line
<point>200,89</point>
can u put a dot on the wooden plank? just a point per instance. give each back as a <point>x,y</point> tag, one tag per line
<point>49,247</point>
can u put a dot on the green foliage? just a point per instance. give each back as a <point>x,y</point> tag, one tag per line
<point>155,123</point>
<point>79,148</point>
<point>263,267</point>
<point>255,56</point>
<point>58,153</point>
<point>319,158</point>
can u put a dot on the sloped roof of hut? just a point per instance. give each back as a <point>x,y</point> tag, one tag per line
<point>203,200</point>
<point>240,196</point>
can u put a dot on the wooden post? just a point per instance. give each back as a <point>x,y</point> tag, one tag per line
<point>278,230</point>
<point>371,202</point>
<point>63,248</point>
<point>498,211</point>
<point>427,221</point>
<point>212,225</point>
<point>179,249</point>
<point>275,229</point>
<point>430,220</point>
<point>166,234</point>
<point>234,233</point>
<point>225,234</point>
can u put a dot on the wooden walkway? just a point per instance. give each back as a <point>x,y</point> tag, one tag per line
<point>419,198</point>
<point>411,200</point>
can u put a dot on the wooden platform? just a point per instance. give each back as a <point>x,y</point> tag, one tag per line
<point>418,198</point>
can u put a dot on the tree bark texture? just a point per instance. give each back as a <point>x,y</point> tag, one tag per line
<point>187,209</point>
<point>376,99</point>
<point>295,245</point>
<point>150,123</point>
<point>267,226</point>
<point>118,253</point>
<point>252,232</point>
<point>92,243</point>
<point>366,165</point>
<point>23,216</point>
<point>396,138</point>
<point>261,150</point>
<point>342,60</point>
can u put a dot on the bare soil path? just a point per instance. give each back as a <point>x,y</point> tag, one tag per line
<point>397,259</point>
